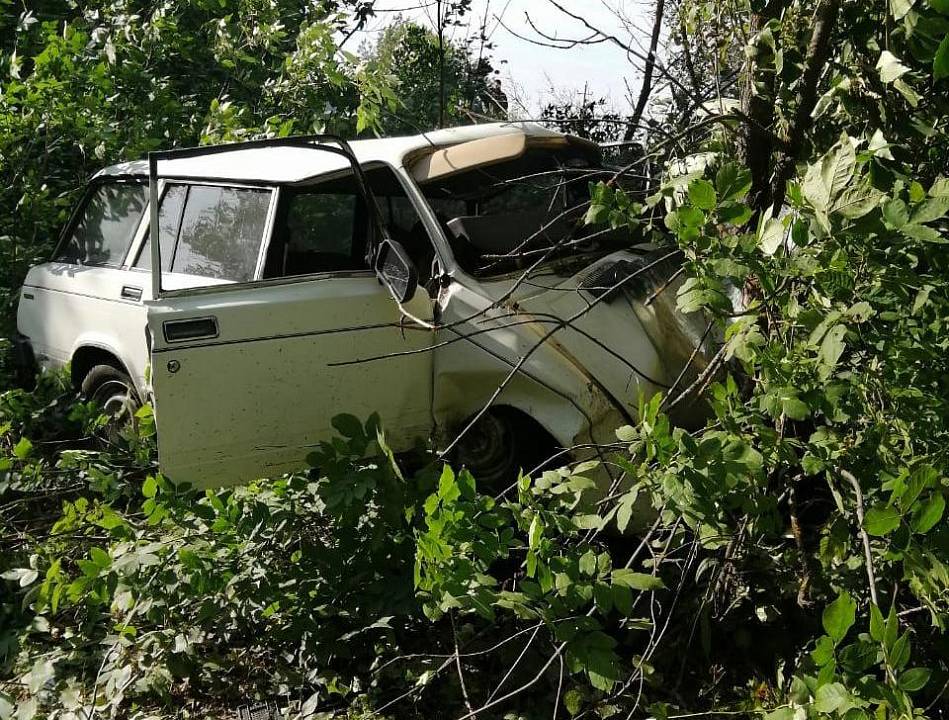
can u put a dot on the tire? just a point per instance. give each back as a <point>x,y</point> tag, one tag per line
<point>501,444</point>
<point>112,389</point>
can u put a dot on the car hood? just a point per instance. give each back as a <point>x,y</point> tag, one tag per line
<point>622,326</point>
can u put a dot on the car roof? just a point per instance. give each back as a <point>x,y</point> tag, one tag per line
<point>278,164</point>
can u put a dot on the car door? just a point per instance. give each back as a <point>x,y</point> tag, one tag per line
<point>247,376</point>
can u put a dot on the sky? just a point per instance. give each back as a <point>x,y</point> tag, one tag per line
<point>531,69</point>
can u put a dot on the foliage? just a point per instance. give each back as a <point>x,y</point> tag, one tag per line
<point>129,594</point>
<point>411,53</point>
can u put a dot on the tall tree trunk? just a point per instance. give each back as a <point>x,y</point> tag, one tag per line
<point>818,52</point>
<point>440,21</point>
<point>757,103</point>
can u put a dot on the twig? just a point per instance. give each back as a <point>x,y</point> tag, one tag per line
<point>848,476</point>
<point>461,676</point>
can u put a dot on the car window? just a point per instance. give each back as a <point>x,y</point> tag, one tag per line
<point>323,227</point>
<point>318,230</point>
<point>210,231</point>
<point>221,231</point>
<point>169,220</point>
<point>105,225</point>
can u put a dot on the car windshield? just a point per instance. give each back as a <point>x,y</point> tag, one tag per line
<point>504,217</point>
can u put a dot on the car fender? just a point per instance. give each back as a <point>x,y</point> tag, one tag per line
<point>105,342</point>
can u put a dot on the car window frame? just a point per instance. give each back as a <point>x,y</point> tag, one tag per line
<point>369,166</point>
<point>264,242</point>
<point>77,212</point>
<point>411,191</point>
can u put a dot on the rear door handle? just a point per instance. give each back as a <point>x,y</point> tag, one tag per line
<point>130,292</point>
<point>190,329</point>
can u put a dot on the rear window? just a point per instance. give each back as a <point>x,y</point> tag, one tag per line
<point>106,224</point>
<point>210,231</point>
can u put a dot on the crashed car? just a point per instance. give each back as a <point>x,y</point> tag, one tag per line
<point>445,281</point>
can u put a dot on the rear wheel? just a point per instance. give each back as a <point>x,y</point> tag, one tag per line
<point>500,444</point>
<point>111,389</point>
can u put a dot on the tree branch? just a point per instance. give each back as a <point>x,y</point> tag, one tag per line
<point>871,578</point>
<point>646,89</point>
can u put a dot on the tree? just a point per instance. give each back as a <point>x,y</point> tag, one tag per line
<point>436,87</point>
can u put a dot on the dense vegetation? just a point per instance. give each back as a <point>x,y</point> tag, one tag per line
<point>798,561</point>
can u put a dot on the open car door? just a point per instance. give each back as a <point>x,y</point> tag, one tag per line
<point>267,302</point>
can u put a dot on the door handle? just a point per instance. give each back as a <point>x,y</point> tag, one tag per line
<point>190,329</point>
<point>130,292</point>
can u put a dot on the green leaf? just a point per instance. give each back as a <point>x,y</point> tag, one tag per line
<point>100,557</point>
<point>890,67</point>
<point>891,632</point>
<point>930,210</point>
<point>690,217</point>
<point>914,679</point>
<point>895,213</point>
<point>636,581</point>
<point>349,426</point>
<point>923,233</point>
<point>838,166</point>
<point>702,194</point>
<point>150,486</point>
<point>839,616</point>
<point>448,489</point>
<point>535,533</point>
<point>831,697</point>
<point>899,8</point>
<point>794,408</point>
<point>904,88</point>
<point>732,181</point>
<point>941,60</point>
<point>831,348</point>
<point>930,514</point>
<point>23,448</point>
<point>588,563</point>
<point>573,701</point>
<point>771,235</point>
<point>856,202</point>
<point>815,190</point>
<point>940,188</point>
<point>900,652</point>
<point>627,434</point>
<point>881,520</point>
<point>823,652</point>
<point>940,6</point>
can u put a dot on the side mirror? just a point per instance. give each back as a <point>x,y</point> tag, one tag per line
<point>395,270</point>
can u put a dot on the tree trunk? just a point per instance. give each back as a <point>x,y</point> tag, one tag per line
<point>757,103</point>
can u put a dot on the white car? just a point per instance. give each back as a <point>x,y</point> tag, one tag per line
<point>260,315</point>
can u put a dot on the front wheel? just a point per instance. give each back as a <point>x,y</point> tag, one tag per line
<point>499,445</point>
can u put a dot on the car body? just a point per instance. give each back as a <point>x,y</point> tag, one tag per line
<point>259,316</point>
